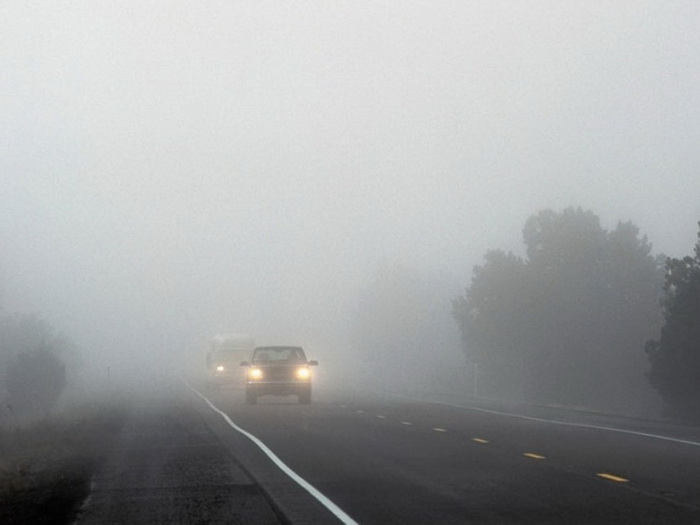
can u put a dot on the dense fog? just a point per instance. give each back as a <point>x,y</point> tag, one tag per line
<point>170,170</point>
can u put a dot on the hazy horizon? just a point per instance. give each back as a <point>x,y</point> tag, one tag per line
<point>170,170</point>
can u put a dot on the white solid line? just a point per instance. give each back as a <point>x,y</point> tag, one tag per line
<point>555,422</point>
<point>337,511</point>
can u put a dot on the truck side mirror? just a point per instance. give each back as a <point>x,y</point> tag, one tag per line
<point>313,363</point>
<point>245,363</point>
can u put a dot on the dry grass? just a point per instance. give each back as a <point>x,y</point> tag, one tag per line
<point>46,467</point>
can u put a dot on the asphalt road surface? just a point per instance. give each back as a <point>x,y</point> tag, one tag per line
<point>394,460</point>
<point>196,457</point>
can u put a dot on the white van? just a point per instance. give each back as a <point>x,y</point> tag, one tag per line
<point>225,356</point>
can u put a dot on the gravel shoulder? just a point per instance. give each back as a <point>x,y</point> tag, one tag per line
<point>168,467</point>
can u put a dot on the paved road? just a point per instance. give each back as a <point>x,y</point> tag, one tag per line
<point>387,460</point>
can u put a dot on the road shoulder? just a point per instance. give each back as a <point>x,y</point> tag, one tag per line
<point>168,467</point>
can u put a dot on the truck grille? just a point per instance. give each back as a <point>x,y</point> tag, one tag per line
<point>279,373</point>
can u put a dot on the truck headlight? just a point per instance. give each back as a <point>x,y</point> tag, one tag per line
<point>220,368</point>
<point>255,373</point>
<point>303,373</point>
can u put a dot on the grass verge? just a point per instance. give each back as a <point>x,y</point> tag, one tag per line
<point>46,467</point>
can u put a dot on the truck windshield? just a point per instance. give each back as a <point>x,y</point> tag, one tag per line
<point>265,355</point>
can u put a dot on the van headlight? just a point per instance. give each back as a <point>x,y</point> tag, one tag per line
<point>303,373</point>
<point>255,373</point>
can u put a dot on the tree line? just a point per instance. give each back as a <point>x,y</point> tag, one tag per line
<point>588,317</point>
<point>569,322</point>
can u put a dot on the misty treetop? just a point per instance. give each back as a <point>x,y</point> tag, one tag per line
<point>567,323</point>
<point>675,356</point>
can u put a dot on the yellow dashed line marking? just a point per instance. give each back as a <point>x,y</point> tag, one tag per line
<point>438,429</point>
<point>612,477</point>
<point>381,417</point>
<point>480,440</point>
<point>407,423</point>
<point>533,455</point>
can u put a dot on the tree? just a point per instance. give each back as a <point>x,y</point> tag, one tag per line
<point>488,320</point>
<point>32,364</point>
<point>567,323</point>
<point>35,380</point>
<point>675,356</point>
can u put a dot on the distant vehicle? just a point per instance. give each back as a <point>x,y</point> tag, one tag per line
<point>278,371</point>
<point>226,352</point>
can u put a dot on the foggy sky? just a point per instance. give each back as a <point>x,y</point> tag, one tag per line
<point>172,169</point>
